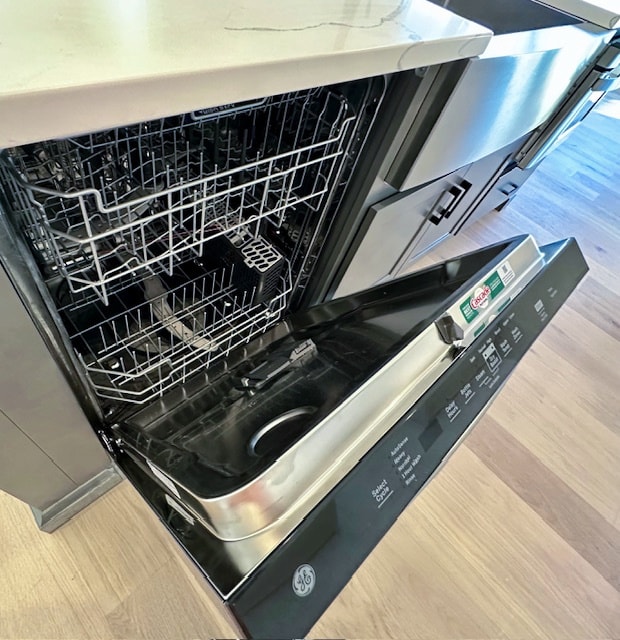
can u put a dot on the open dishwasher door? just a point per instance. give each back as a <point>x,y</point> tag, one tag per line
<point>281,476</point>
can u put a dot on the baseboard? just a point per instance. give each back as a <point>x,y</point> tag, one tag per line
<point>62,511</point>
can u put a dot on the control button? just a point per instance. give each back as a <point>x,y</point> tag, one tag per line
<point>493,359</point>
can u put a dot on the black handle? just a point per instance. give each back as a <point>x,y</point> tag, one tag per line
<point>278,364</point>
<point>448,201</point>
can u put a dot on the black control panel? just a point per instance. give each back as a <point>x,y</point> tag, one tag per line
<point>287,594</point>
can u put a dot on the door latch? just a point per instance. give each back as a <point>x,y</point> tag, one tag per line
<point>451,333</point>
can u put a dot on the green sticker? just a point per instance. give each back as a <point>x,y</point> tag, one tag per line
<point>481,296</point>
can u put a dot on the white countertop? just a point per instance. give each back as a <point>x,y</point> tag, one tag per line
<point>604,13</point>
<point>70,66</point>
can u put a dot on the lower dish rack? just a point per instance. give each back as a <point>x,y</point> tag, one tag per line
<point>143,349</point>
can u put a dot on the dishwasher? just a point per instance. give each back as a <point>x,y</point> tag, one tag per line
<point>277,441</point>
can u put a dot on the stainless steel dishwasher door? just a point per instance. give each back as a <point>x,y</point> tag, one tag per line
<point>500,96</point>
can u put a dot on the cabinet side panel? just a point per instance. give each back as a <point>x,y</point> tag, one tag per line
<point>26,472</point>
<point>36,398</point>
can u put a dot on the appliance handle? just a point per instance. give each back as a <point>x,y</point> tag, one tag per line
<point>546,141</point>
<point>448,201</point>
<point>604,77</point>
<point>610,59</point>
<point>607,82</point>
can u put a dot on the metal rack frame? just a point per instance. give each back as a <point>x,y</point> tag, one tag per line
<point>106,206</point>
<point>121,222</point>
<point>138,354</point>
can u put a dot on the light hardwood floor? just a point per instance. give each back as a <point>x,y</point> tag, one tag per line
<point>519,535</point>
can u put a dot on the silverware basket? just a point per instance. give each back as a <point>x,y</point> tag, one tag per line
<point>257,264</point>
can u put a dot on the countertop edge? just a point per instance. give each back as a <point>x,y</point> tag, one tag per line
<point>32,116</point>
<point>588,10</point>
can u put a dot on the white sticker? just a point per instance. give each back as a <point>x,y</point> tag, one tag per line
<point>304,580</point>
<point>505,272</point>
<point>179,509</point>
<point>164,479</point>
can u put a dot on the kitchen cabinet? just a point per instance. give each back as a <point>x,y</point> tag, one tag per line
<point>49,458</point>
<point>411,222</point>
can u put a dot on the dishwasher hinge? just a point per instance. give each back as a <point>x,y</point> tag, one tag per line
<point>113,445</point>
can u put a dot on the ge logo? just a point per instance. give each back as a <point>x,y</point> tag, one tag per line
<point>304,580</point>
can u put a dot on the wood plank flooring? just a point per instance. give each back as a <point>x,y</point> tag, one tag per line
<point>519,535</point>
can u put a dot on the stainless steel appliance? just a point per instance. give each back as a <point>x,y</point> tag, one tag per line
<point>601,77</point>
<point>169,266</point>
<point>536,53</point>
<point>450,150</point>
<point>280,516</point>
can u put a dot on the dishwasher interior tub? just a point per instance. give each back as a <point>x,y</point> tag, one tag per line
<point>167,244</point>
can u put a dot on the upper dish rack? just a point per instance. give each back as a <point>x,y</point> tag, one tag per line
<point>103,207</point>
